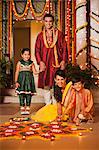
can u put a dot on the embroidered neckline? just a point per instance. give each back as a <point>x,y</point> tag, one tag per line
<point>55,36</point>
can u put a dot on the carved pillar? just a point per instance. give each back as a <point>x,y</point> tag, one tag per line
<point>73,32</point>
<point>10,29</point>
<point>88,32</point>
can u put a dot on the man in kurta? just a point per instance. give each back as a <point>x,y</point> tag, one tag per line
<point>50,52</point>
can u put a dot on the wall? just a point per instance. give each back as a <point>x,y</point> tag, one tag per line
<point>25,33</point>
<point>0,30</point>
<point>35,28</point>
<point>21,39</point>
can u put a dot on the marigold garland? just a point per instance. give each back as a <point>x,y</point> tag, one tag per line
<point>24,13</point>
<point>37,14</point>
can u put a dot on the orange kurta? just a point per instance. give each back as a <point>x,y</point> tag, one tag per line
<point>81,102</point>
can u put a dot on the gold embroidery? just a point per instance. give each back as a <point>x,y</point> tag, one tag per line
<point>52,45</point>
<point>55,36</point>
<point>57,65</point>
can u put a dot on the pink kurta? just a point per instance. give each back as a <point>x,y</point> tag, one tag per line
<point>46,55</point>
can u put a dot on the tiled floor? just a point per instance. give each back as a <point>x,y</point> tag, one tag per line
<point>89,141</point>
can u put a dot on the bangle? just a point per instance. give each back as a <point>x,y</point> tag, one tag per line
<point>16,82</point>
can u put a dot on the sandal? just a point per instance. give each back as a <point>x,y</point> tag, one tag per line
<point>22,110</point>
<point>27,112</point>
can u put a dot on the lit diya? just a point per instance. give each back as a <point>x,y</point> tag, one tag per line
<point>80,134</point>
<point>91,129</point>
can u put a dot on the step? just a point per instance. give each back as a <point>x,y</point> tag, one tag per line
<point>11,92</point>
<point>10,96</point>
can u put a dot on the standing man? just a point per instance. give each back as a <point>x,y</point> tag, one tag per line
<point>50,52</point>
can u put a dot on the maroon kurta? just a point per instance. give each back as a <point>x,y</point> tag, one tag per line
<point>47,56</point>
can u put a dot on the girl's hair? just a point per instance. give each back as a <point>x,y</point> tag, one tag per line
<point>60,73</point>
<point>25,49</point>
<point>48,15</point>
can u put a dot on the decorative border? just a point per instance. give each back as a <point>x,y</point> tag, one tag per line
<point>29,6</point>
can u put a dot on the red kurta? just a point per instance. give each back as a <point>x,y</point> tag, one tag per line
<point>46,55</point>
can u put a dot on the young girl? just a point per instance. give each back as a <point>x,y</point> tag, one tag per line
<point>24,80</point>
<point>80,102</point>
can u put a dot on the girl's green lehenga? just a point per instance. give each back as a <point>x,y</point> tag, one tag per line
<point>26,79</point>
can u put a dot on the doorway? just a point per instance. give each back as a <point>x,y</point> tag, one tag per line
<point>21,39</point>
<point>24,36</point>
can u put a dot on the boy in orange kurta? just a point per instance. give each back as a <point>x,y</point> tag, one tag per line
<point>79,104</point>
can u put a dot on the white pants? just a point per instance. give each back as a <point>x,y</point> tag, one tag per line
<point>48,96</point>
